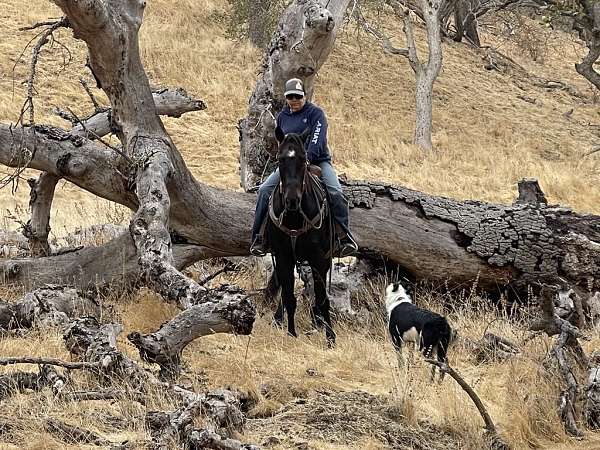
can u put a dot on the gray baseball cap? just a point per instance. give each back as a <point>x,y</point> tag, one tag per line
<point>294,86</point>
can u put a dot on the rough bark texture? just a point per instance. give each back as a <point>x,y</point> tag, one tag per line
<point>530,192</point>
<point>432,237</point>
<point>221,411</point>
<point>156,169</point>
<point>51,305</point>
<point>228,310</point>
<point>14,382</point>
<point>592,393</point>
<point>74,435</point>
<point>551,323</point>
<point>465,21</point>
<point>589,30</point>
<point>299,47</point>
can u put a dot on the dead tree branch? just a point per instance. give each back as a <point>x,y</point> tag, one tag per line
<point>40,201</point>
<point>228,311</point>
<point>47,361</point>
<point>497,442</point>
<point>74,435</point>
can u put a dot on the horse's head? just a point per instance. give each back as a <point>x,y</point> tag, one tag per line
<point>292,168</point>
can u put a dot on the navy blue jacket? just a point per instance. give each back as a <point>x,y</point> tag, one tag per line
<point>313,117</point>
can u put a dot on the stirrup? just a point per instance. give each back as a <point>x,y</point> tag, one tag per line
<point>346,247</point>
<point>258,247</point>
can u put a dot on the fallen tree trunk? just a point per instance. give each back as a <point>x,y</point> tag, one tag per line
<point>11,383</point>
<point>433,238</point>
<point>51,305</point>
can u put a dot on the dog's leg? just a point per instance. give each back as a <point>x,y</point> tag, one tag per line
<point>400,357</point>
<point>431,351</point>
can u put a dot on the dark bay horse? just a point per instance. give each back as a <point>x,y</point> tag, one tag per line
<point>299,229</point>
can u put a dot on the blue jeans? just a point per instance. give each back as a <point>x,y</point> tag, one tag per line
<point>339,204</point>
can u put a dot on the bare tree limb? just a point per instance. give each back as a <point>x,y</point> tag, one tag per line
<point>497,442</point>
<point>47,361</point>
<point>74,435</point>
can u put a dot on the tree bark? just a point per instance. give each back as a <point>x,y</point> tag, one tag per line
<point>433,238</point>
<point>465,20</point>
<point>38,227</point>
<point>425,74</point>
<point>168,102</point>
<point>586,66</point>
<point>229,311</point>
<point>51,305</point>
<point>156,174</point>
<point>300,46</point>
<point>592,393</point>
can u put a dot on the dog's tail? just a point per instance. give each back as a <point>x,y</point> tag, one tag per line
<point>436,333</point>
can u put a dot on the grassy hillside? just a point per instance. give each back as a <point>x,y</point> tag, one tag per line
<point>487,137</point>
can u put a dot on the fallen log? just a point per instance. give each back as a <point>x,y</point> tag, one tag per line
<point>74,435</point>
<point>221,410</point>
<point>552,324</point>
<point>18,381</point>
<point>228,311</point>
<point>49,306</point>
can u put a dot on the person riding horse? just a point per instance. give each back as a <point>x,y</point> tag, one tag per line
<point>298,115</point>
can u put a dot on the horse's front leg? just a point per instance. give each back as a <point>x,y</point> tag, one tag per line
<point>285,274</point>
<point>322,300</point>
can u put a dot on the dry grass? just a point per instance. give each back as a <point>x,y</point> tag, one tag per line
<point>487,138</point>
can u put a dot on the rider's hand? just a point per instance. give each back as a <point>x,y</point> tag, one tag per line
<point>315,170</point>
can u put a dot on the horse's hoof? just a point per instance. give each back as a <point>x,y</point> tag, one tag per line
<point>310,332</point>
<point>292,334</point>
<point>277,324</point>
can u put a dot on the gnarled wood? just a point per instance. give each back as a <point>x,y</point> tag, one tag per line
<point>228,311</point>
<point>168,101</point>
<point>51,305</point>
<point>433,238</point>
<point>530,192</point>
<point>591,409</point>
<point>11,383</point>
<point>222,413</point>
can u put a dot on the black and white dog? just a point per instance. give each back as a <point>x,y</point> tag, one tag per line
<point>409,323</point>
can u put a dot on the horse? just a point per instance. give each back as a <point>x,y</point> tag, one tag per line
<point>299,228</point>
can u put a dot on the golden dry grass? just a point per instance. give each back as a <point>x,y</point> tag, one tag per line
<point>487,138</point>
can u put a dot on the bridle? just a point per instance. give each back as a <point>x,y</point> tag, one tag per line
<point>308,223</point>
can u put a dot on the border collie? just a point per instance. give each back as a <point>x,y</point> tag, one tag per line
<point>409,323</point>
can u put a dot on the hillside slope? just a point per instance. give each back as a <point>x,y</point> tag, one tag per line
<point>491,129</point>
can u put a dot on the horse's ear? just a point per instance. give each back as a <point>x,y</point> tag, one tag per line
<point>304,135</point>
<point>279,135</point>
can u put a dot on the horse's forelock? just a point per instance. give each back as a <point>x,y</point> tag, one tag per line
<point>292,140</point>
